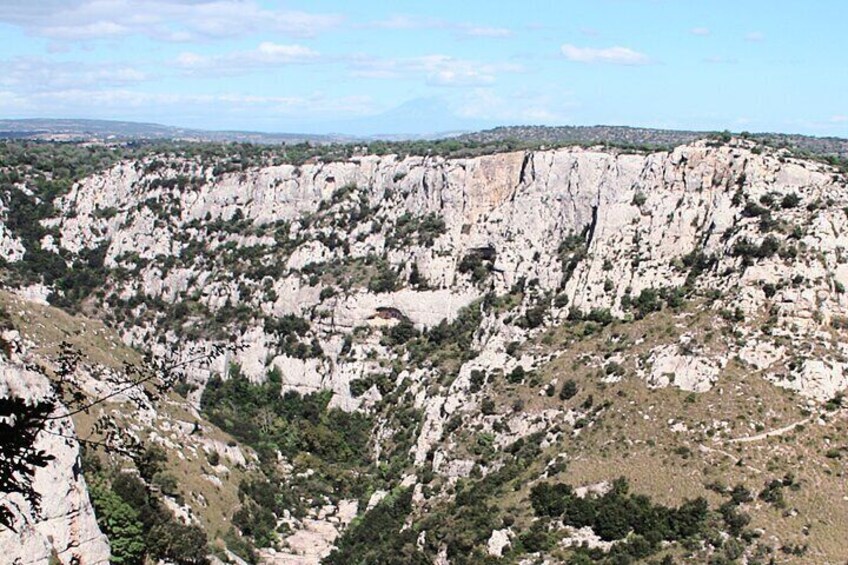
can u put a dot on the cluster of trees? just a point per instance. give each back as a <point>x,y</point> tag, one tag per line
<point>448,341</point>
<point>376,537</point>
<point>410,229</point>
<point>617,514</point>
<point>47,171</point>
<point>289,330</point>
<point>135,519</point>
<point>331,442</point>
<point>478,263</point>
<point>269,421</point>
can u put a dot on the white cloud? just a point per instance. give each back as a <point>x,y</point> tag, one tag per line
<point>188,20</point>
<point>266,54</point>
<point>754,36</point>
<point>120,102</point>
<point>401,22</point>
<point>524,107</point>
<point>274,53</point>
<point>437,70</point>
<point>404,22</point>
<point>609,55</point>
<point>36,74</point>
<point>702,31</point>
<point>462,77</point>
<point>839,119</point>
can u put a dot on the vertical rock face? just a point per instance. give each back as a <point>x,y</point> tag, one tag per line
<point>64,526</point>
<point>593,227</point>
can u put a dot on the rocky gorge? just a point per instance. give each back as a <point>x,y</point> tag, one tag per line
<point>433,311</point>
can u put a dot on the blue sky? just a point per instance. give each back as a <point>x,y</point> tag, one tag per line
<point>424,67</point>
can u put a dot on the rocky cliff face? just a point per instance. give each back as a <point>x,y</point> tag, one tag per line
<point>64,527</point>
<point>593,228</point>
<point>325,272</point>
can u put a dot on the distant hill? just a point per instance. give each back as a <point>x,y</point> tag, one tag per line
<point>108,130</point>
<point>657,138</point>
<point>92,130</point>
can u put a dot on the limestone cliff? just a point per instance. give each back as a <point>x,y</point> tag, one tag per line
<point>64,526</point>
<point>450,299</point>
<point>252,239</point>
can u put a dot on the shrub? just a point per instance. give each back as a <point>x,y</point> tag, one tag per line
<point>790,200</point>
<point>617,513</point>
<point>475,263</point>
<point>516,375</point>
<point>378,536</point>
<point>568,390</point>
<point>384,280</point>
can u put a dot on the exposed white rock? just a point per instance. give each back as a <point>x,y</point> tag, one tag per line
<point>585,535</point>
<point>498,541</point>
<point>65,524</point>
<point>520,205</point>
<point>11,249</point>
<point>688,372</point>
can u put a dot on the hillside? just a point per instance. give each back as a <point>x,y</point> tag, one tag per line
<point>652,138</point>
<point>573,354</point>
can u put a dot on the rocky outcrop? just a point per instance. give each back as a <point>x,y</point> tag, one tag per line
<point>64,526</point>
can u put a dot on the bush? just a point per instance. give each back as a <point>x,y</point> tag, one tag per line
<point>401,333</point>
<point>601,316</point>
<point>384,280</point>
<point>568,390</point>
<point>744,248</point>
<point>180,543</point>
<point>790,200</point>
<point>475,263</point>
<point>516,376</point>
<point>377,536</point>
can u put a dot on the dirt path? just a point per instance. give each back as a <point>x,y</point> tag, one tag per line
<point>772,433</point>
<point>735,459</point>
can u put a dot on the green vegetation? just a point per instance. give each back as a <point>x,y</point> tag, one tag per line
<point>377,538</point>
<point>330,442</point>
<point>448,343</point>
<point>410,230</point>
<point>616,513</point>
<point>289,330</point>
<point>47,171</point>
<point>269,421</point>
<point>478,263</point>
<point>572,250</point>
<point>135,519</point>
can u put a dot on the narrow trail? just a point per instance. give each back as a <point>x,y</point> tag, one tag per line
<point>772,433</point>
<point>750,439</point>
<point>735,459</point>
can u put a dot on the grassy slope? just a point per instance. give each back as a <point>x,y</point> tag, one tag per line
<point>45,327</point>
<point>634,436</point>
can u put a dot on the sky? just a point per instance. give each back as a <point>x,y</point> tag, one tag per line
<point>371,67</point>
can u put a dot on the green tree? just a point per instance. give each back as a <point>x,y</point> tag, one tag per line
<point>120,522</point>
